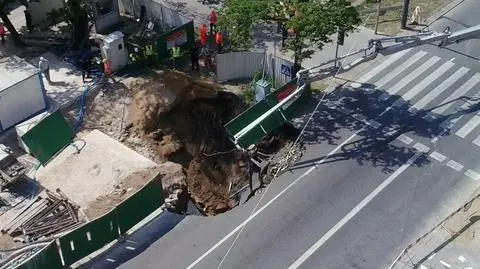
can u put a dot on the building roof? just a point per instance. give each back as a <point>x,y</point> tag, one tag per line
<point>14,69</point>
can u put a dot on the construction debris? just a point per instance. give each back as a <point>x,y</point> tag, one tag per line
<point>43,217</point>
<point>10,168</point>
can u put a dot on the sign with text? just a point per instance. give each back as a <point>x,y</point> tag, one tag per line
<point>178,38</point>
<point>286,70</point>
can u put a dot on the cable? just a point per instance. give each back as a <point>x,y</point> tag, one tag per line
<point>290,151</point>
<point>218,153</point>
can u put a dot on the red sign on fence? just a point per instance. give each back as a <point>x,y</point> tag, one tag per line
<point>179,38</point>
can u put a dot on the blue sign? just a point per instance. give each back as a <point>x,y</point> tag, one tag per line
<point>286,70</point>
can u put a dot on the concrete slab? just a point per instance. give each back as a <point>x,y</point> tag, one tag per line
<point>66,79</point>
<point>92,167</point>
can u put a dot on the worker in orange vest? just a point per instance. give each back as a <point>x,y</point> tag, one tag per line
<point>2,34</point>
<point>203,35</point>
<point>107,69</point>
<point>219,41</point>
<point>213,21</point>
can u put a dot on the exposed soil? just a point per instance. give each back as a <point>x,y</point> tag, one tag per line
<point>182,119</point>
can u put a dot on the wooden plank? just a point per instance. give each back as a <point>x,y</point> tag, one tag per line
<point>25,217</point>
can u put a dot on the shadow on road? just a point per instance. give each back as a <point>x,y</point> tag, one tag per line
<point>350,109</point>
<point>136,243</point>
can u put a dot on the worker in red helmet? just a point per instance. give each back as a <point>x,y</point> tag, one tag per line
<point>2,34</point>
<point>203,35</point>
<point>213,21</point>
<point>219,41</point>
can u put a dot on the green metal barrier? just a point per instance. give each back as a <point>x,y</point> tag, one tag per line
<point>183,35</point>
<point>89,238</point>
<point>270,123</point>
<point>140,205</point>
<point>47,258</point>
<point>48,137</point>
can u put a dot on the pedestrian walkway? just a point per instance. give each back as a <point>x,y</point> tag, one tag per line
<point>454,243</point>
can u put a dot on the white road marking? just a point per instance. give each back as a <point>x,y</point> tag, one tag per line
<point>455,165</point>
<point>110,260</point>
<point>476,141</point>
<point>409,78</point>
<point>431,256</point>
<point>423,266</point>
<point>382,66</point>
<point>440,89</point>
<point>438,156</point>
<point>472,174</point>
<point>462,90</point>
<point>421,148</point>
<point>130,248</point>
<point>461,258</point>
<point>445,264</point>
<point>427,81</point>
<point>353,212</point>
<point>392,74</point>
<point>405,139</point>
<point>250,218</point>
<point>375,124</point>
<point>468,127</point>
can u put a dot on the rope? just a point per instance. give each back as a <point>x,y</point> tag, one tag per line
<point>218,153</point>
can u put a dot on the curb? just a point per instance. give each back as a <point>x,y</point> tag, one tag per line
<point>465,205</point>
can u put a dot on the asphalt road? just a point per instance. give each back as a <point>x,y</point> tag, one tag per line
<point>385,161</point>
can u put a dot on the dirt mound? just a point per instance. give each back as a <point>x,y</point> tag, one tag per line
<point>183,118</point>
<point>161,94</point>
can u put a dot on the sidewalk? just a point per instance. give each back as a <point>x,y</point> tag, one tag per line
<point>454,243</point>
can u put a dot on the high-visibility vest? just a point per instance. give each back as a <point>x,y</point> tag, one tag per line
<point>149,50</point>
<point>219,38</point>
<point>203,31</point>
<point>176,52</point>
<point>133,57</point>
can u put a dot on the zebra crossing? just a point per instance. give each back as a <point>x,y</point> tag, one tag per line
<point>442,89</point>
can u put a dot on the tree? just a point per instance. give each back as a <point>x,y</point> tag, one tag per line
<point>311,23</point>
<point>6,21</point>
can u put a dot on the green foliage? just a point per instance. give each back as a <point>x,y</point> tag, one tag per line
<point>313,21</point>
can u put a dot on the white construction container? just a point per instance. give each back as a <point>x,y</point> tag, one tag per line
<point>22,94</point>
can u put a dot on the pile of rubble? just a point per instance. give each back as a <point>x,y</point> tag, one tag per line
<point>43,217</point>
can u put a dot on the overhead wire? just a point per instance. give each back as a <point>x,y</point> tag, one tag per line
<point>287,156</point>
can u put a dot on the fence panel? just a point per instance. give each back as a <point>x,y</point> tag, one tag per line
<point>173,18</point>
<point>238,65</point>
<point>140,204</point>
<point>280,69</point>
<point>89,238</point>
<point>183,35</point>
<point>47,258</point>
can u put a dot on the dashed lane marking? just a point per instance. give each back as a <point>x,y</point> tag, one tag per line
<point>438,156</point>
<point>472,174</point>
<point>421,148</point>
<point>130,248</point>
<point>405,139</point>
<point>445,264</point>
<point>455,165</point>
<point>461,258</point>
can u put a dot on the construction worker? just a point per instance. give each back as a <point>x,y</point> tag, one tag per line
<point>85,66</point>
<point>176,54</point>
<point>149,54</point>
<point>194,57</point>
<point>44,67</point>
<point>206,56</point>
<point>133,56</point>
<point>107,69</point>
<point>203,35</point>
<point>2,33</point>
<point>219,41</point>
<point>213,21</point>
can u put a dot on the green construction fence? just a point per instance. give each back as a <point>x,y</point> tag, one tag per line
<point>95,234</point>
<point>269,124</point>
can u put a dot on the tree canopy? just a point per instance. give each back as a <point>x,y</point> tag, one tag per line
<point>312,22</point>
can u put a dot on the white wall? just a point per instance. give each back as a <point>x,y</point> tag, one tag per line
<point>40,9</point>
<point>102,23</point>
<point>21,101</point>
